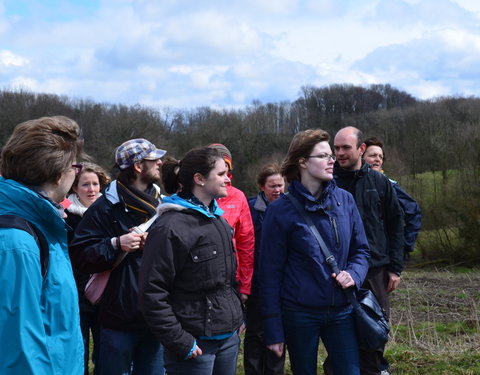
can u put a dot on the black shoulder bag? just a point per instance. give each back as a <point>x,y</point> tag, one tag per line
<point>370,322</point>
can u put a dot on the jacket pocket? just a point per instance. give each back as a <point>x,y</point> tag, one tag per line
<point>207,267</point>
<point>204,253</point>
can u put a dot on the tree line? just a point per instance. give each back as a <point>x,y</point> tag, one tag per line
<point>434,136</point>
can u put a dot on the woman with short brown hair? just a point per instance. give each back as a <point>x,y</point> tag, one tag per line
<point>39,304</point>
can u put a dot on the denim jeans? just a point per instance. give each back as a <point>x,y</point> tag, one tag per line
<point>219,358</point>
<point>336,329</point>
<point>129,353</point>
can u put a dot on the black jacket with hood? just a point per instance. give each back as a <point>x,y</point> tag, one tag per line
<point>381,214</point>
<point>188,288</point>
<point>91,251</point>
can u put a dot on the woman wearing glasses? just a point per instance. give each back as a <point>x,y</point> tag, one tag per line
<point>302,301</point>
<point>89,181</point>
<point>38,300</point>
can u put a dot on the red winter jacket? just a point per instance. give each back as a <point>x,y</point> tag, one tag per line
<point>237,213</point>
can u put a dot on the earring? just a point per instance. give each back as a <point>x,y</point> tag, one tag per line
<point>202,184</point>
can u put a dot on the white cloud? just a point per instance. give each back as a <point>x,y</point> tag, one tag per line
<point>7,59</point>
<point>210,52</point>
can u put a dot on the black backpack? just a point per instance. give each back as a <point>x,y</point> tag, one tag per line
<point>17,222</point>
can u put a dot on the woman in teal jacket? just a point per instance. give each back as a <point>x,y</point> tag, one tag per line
<point>39,318</point>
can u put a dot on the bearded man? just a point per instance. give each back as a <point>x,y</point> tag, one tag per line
<point>102,238</point>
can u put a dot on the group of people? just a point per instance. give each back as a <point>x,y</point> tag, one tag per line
<point>213,264</point>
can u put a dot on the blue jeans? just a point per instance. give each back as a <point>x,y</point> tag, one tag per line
<point>126,353</point>
<point>219,358</point>
<point>336,329</point>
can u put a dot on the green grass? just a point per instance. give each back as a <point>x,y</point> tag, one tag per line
<point>435,325</point>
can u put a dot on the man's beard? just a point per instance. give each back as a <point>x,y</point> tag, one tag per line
<point>147,178</point>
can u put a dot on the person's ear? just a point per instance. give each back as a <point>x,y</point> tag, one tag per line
<point>58,180</point>
<point>137,167</point>
<point>362,149</point>
<point>198,179</point>
<point>302,163</point>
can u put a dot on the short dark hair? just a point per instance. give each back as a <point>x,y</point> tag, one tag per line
<point>360,137</point>
<point>126,176</point>
<point>40,150</point>
<point>301,146</point>
<point>375,141</point>
<point>179,174</point>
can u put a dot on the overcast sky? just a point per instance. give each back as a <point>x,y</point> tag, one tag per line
<point>223,53</point>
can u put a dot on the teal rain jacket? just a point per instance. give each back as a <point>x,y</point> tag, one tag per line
<point>39,317</point>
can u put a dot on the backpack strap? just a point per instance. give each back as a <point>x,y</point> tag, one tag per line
<point>17,222</point>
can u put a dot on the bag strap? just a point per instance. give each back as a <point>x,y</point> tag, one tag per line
<point>17,222</point>
<point>329,258</point>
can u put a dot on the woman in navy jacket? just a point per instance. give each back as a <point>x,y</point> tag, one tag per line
<point>302,301</point>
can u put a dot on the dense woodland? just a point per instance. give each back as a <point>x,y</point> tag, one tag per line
<point>432,147</point>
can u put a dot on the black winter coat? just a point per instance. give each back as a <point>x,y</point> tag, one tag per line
<point>91,251</point>
<point>81,279</point>
<point>187,280</point>
<point>381,214</point>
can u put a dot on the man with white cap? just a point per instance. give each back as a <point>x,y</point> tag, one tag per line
<point>105,235</point>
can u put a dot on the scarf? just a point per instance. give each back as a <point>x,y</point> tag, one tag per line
<point>77,207</point>
<point>143,204</point>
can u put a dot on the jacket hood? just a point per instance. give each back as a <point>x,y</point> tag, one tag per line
<point>111,192</point>
<point>177,203</point>
<point>17,199</point>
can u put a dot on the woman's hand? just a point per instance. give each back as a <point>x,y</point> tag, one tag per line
<point>197,352</point>
<point>276,348</point>
<point>344,279</point>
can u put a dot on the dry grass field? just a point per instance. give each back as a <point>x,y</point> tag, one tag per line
<point>435,324</point>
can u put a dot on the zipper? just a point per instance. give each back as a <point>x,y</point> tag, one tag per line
<point>335,230</point>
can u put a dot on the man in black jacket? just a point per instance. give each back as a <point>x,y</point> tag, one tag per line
<point>101,237</point>
<point>383,220</point>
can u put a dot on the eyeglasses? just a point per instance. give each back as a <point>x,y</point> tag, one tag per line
<point>323,156</point>
<point>78,168</point>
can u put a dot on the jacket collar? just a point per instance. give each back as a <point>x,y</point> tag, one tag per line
<point>213,212</point>
<point>343,173</point>
<point>18,199</point>
<point>261,202</point>
<point>311,204</point>
<point>111,192</point>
